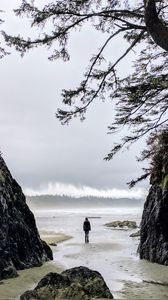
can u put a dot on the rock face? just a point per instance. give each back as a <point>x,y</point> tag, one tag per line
<point>77,283</point>
<point>135,234</point>
<point>121,224</point>
<point>154,226</point>
<point>20,243</point>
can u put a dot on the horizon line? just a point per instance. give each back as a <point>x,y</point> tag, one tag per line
<point>78,191</point>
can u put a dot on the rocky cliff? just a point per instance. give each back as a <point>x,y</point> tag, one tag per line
<point>20,243</point>
<point>154,227</point>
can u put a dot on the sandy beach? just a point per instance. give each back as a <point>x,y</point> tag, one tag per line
<point>112,252</point>
<point>12,288</point>
<point>52,238</point>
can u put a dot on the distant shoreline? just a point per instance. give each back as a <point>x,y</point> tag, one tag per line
<point>60,202</point>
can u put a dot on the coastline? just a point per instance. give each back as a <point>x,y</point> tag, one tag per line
<point>129,277</point>
<point>111,252</point>
<point>11,289</point>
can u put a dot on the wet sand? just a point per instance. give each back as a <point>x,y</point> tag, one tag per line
<point>113,253</point>
<point>11,289</point>
<point>126,275</point>
<point>151,282</point>
<point>54,238</point>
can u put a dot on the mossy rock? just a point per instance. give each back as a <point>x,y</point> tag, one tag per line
<point>78,283</point>
<point>165,183</point>
<point>2,177</point>
<point>122,224</point>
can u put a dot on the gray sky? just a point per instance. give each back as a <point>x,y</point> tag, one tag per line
<point>43,155</point>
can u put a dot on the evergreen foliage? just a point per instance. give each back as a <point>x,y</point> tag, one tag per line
<point>141,99</point>
<point>157,154</point>
<point>2,50</point>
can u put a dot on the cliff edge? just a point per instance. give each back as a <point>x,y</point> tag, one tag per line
<point>154,225</point>
<point>20,243</point>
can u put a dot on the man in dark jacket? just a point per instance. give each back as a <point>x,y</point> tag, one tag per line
<point>86,228</point>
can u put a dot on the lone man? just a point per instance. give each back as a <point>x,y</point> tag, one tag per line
<point>86,228</point>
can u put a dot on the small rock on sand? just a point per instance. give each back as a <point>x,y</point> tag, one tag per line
<point>122,224</point>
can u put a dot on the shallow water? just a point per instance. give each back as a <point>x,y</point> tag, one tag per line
<point>111,252</point>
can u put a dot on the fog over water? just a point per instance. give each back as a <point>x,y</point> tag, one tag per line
<point>48,202</point>
<point>84,191</point>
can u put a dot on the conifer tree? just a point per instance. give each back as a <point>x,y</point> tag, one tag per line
<point>2,50</point>
<point>141,99</point>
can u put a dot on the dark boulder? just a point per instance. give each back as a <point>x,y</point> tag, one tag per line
<point>76,283</point>
<point>9,272</point>
<point>154,226</point>
<point>20,243</point>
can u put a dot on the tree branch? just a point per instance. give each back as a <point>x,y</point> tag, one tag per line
<point>155,26</point>
<point>65,116</point>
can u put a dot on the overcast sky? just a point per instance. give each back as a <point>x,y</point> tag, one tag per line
<point>43,155</point>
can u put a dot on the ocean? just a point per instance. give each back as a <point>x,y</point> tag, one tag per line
<point>112,252</point>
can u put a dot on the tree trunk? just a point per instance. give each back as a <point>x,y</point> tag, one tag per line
<point>156,28</point>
